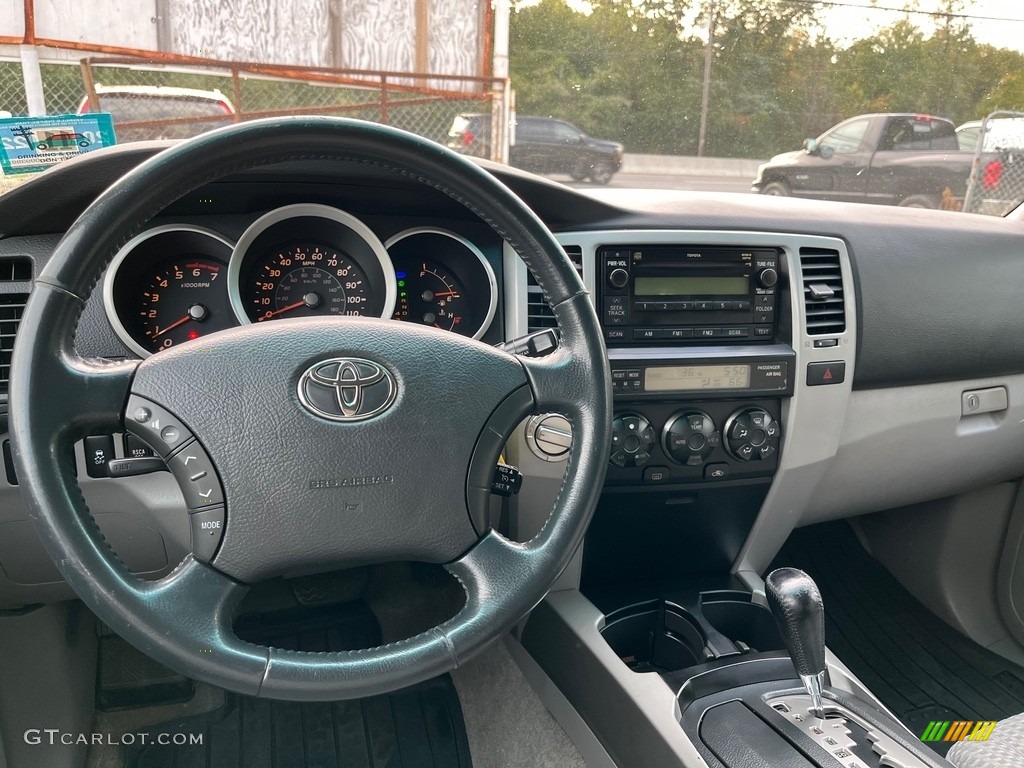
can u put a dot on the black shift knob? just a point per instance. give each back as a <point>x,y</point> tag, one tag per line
<point>796,603</point>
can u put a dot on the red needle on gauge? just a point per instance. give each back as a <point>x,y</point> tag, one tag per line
<point>172,326</point>
<point>282,310</point>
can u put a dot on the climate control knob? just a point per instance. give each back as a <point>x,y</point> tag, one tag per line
<point>690,437</point>
<point>632,440</point>
<point>752,435</point>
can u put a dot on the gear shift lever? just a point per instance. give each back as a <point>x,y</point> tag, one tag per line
<point>796,604</point>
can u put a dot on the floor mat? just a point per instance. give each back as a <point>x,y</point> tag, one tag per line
<point>419,727</point>
<point>916,664</point>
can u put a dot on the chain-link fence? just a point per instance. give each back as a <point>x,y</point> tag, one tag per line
<point>161,99</point>
<point>996,185</point>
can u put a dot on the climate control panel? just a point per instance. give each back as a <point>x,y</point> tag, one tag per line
<point>709,441</point>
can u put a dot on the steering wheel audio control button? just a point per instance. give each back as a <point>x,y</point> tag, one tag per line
<point>207,531</point>
<point>195,474</point>
<point>155,425</point>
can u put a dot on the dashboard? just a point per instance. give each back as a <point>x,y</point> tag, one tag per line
<point>175,283</point>
<point>774,362</point>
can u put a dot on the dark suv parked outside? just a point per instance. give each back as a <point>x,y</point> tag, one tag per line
<point>542,145</point>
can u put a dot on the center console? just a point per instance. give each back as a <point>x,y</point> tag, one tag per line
<point>729,363</point>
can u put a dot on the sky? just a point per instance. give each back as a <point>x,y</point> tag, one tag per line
<point>1004,28</point>
<point>996,22</point>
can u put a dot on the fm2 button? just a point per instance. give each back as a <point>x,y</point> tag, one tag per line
<point>196,477</point>
<point>155,425</point>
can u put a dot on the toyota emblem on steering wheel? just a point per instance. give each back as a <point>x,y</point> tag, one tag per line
<point>347,389</point>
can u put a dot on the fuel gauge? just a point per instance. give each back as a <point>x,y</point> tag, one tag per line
<point>443,281</point>
<point>432,296</point>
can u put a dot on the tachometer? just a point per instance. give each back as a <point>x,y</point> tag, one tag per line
<point>167,286</point>
<point>309,259</point>
<point>183,301</point>
<point>443,281</point>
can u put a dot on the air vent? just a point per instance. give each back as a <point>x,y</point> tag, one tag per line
<point>538,313</point>
<point>16,270</point>
<point>11,307</point>
<point>823,291</point>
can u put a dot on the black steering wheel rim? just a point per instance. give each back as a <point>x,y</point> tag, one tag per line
<point>184,619</point>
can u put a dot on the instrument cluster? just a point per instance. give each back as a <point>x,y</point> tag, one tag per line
<point>177,282</point>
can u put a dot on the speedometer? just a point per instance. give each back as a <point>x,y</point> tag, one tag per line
<point>310,260</point>
<point>307,279</point>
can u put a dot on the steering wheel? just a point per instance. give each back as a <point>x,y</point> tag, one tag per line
<point>321,443</point>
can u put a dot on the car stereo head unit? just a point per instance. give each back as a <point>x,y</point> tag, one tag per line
<point>664,293</point>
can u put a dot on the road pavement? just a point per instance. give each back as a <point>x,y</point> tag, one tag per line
<point>668,181</point>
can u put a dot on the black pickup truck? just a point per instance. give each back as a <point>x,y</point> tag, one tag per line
<point>892,159</point>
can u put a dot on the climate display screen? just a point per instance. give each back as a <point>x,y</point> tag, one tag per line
<point>674,378</point>
<point>691,286</point>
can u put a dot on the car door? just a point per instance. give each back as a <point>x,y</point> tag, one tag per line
<point>836,170</point>
<point>569,149</point>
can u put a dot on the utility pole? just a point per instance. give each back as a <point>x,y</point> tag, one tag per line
<point>705,93</point>
<point>30,63</point>
<point>500,88</point>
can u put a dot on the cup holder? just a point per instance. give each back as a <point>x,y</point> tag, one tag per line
<point>655,637</point>
<point>748,623</point>
<point>664,636</point>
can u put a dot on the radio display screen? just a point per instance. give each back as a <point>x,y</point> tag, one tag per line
<point>691,286</point>
<point>674,378</point>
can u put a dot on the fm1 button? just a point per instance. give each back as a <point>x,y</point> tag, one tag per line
<point>155,425</point>
<point>716,471</point>
<point>207,530</point>
<point>196,476</point>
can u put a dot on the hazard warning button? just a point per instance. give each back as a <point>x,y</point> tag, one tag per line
<point>819,374</point>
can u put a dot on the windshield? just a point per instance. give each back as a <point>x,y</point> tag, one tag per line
<point>715,95</point>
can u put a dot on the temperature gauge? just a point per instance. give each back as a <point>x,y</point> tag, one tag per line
<point>443,281</point>
<point>432,296</point>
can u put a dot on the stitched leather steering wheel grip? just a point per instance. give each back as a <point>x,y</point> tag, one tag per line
<point>796,604</point>
<point>420,513</point>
